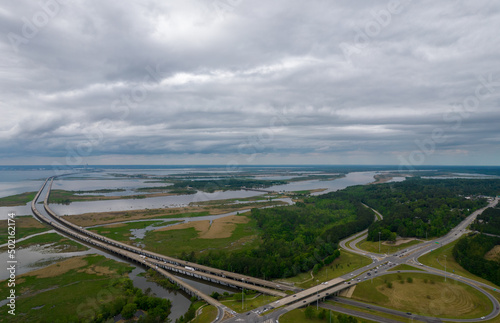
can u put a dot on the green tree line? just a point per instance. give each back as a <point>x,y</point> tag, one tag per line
<point>488,221</point>
<point>422,207</point>
<point>295,238</point>
<point>469,252</point>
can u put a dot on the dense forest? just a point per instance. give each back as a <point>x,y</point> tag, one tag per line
<point>488,221</point>
<point>296,238</point>
<point>469,252</point>
<point>422,207</point>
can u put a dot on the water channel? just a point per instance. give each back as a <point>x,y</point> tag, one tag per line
<point>36,256</point>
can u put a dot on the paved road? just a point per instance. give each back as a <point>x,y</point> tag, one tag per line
<point>349,243</point>
<point>359,314</point>
<point>412,254</point>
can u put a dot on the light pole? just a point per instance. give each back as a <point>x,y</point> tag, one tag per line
<point>379,242</point>
<point>445,268</point>
<point>317,292</point>
<point>242,295</point>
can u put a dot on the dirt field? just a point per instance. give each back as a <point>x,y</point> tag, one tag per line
<point>493,254</point>
<point>220,228</point>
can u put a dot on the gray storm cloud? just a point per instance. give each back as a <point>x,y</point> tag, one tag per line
<point>350,82</point>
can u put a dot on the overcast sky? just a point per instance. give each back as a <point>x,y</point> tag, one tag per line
<point>250,82</point>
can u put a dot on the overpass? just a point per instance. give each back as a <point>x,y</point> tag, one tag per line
<point>291,302</point>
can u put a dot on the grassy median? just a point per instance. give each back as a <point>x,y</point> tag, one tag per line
<point>373,246</point>
<point>424,294</point>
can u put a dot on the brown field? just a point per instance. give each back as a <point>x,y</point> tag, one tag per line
<point>89,219</point>
<point>66,265</point>
<point>493,254</point>
<point>59,268</point>
<point>23,222</point>
<point>223,227</point>
<point>220,228</point>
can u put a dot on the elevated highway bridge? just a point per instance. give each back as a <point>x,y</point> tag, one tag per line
<point>160,263</point>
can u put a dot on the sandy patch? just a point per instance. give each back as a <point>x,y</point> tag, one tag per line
<point>493,254</point>
<point>223,227</point>
<point>380,179</point>
<point>398,242</point>
<point>220,228</point>
<point>58,268</point>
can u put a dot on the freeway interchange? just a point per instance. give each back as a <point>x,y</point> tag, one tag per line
<point>271,312</point>
<point>381,265</point>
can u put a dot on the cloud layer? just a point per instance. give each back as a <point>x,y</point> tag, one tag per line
<point>251,82</point>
